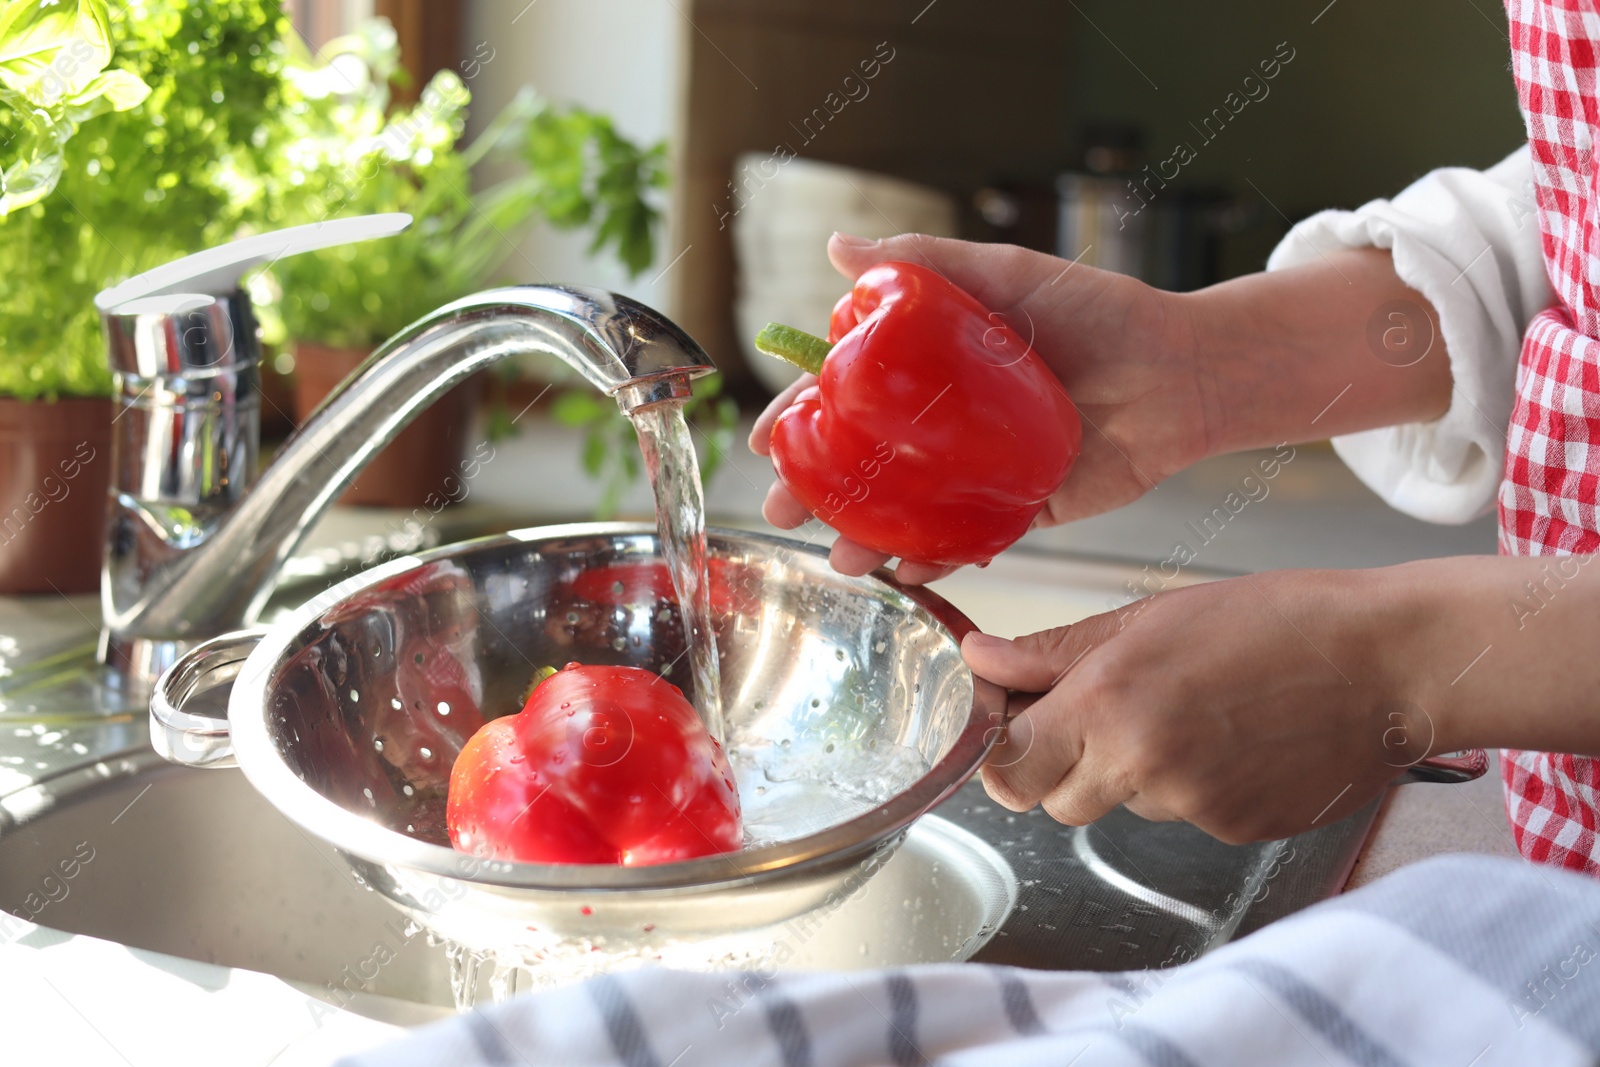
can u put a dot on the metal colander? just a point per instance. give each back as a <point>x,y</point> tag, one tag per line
<point>850,714</point>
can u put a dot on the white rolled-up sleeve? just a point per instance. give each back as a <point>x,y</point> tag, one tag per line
<point>1469,241</point>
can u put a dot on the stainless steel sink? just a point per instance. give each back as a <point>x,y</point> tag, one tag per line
<point>196,864</point>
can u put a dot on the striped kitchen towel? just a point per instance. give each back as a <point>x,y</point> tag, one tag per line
<point>1458,961</point>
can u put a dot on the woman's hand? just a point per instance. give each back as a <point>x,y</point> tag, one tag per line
<point>1255,708</point>
<point>1163,380</point>
<point>1271,704</point>
<point>1121,348</point>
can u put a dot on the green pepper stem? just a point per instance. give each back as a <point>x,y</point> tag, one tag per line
<point>804,350</point>
<point>538,676</point>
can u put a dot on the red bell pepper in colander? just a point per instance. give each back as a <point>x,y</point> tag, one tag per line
<point>602,765</point>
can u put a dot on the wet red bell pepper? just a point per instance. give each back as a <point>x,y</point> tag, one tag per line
<point>934,432</point>
<point>602,765</point>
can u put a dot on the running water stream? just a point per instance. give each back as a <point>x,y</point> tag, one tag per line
<point>669,461</point>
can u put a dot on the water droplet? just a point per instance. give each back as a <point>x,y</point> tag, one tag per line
<point>618,643</point>
<point>444,708</point>
<point>367,793</point>
<point>784,743</point>
<point>377,743</point>
<point>354,695</point>
<point>425,752</point>
<point>616,587</point>
<point>407,790</point>
<point>394,702</point>
<point>572,616</point>
<point>880,646</point>
<point>816,703</point>
<point>518,758</point>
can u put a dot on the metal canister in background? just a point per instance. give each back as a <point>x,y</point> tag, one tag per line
<point>1100,223</point>
<point>1119,215</point>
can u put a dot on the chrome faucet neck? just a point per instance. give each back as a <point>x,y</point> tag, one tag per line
<point>193,554</point>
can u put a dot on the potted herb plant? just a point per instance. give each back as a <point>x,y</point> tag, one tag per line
<point>129,136</point>
<point>356,156</point>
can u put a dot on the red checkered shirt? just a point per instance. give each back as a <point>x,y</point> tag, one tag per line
<point>1552,475</point>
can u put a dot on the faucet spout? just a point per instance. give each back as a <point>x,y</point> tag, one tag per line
<point>172,583</point>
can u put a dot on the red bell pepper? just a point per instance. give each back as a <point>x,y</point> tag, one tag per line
<point>631,581</point>
<point>602,765</point>
<point>934,433</point>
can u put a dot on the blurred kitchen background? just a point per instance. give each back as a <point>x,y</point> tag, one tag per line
<point>1031,121</point>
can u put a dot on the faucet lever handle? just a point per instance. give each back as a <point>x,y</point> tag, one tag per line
<point>216,271</point>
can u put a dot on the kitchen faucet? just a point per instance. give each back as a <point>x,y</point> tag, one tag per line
<point>196,536</point>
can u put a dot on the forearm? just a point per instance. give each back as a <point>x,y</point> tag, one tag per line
<point>1319,350</point>
<point>1498,651</point>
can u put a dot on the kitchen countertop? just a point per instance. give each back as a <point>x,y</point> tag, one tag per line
<point>1422,820</point>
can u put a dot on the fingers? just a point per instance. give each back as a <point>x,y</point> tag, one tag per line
<point>1035,754</point>
<point>1150,810</point>
<point>996,275</point>
<point>847,557</point>
<point>1041,762</point>
<point>782,509</point>
<point>785,512</point>
<point>1086,794</point>
<point>1034,663</point>
<point>761,434</point>
<point>910,572</point>
<point>1041,758</point>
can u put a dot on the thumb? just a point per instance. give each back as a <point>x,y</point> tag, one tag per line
<point>1035,662</point>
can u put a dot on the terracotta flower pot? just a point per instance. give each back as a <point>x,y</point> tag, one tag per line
<point>55,471</point>
<point>418,463</point>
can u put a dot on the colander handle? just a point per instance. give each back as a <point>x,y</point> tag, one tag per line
<point>1449,767</point>
<point>201,679</point>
